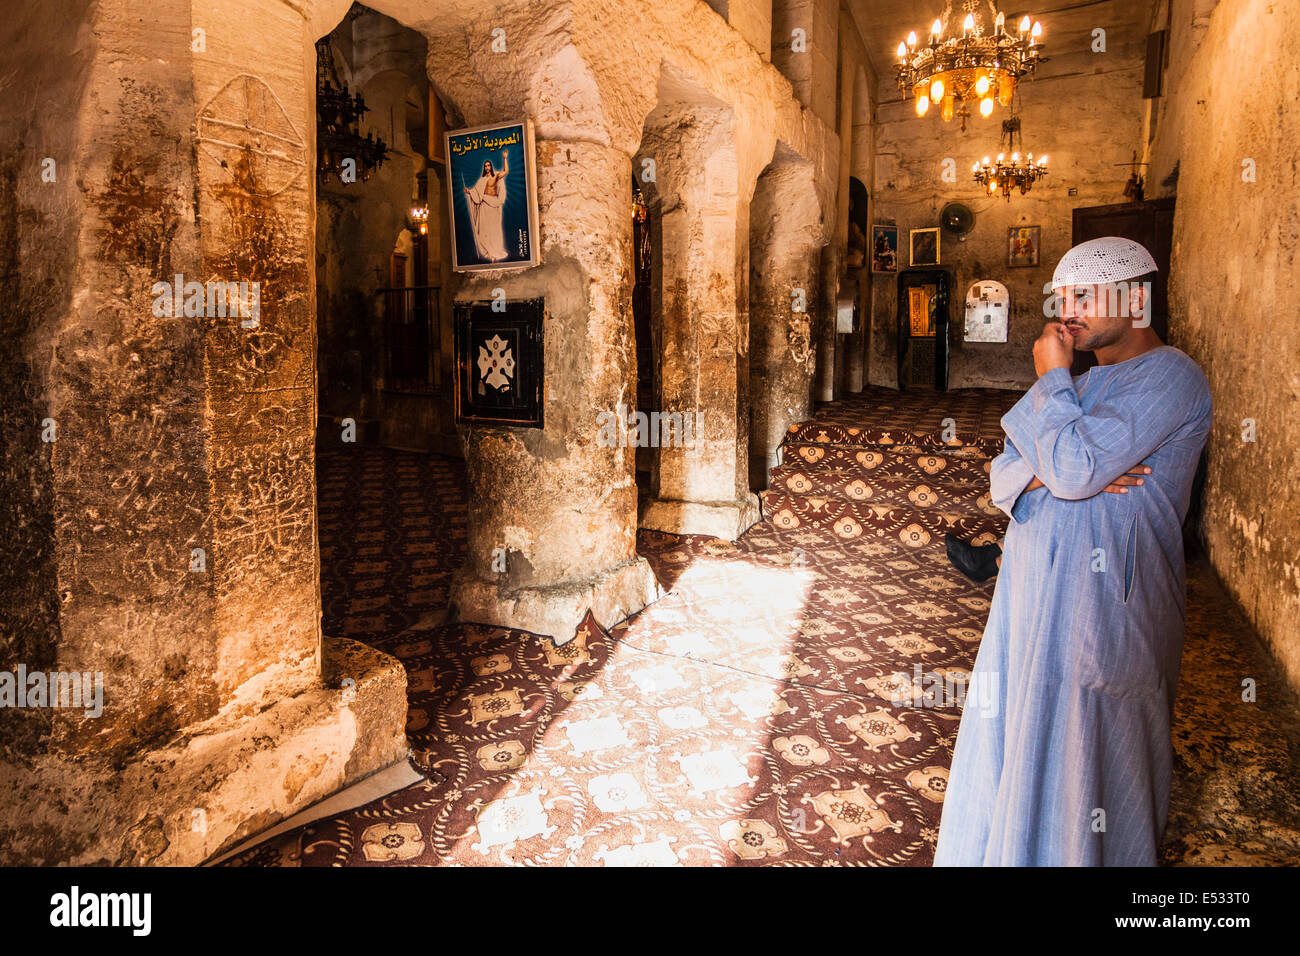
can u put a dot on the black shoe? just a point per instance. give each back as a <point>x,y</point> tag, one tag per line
<point>977,563</point>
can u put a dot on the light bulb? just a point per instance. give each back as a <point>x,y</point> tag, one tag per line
<point>1024,25</point>
<point>937,27</point>
<point>1037,31</point>
<point>986,107</point>
<point>902,51</point>
<point>1015,157</point>
<point>1000,155</point>
<point>982,85</point>
<point>936,90</point>
<point>1006,87</point>
<point>993,186</point>
<point>986,160</point>
<point>911,39</point>
<point>975,168</point>
<point>969,22</point>
<point>1000,22</point>
<point>922,105</point>
<point>1042,160</point>
<point>949,104</point>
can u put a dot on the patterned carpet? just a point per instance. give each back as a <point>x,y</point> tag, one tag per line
<point>791,701</point>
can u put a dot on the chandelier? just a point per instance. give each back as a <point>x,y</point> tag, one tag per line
<point>1004,174</point>
<point>979,64</point>
<point>419,216</point>
<point>337,137</point>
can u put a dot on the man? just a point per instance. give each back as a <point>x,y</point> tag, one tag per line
<point>1066,760</point>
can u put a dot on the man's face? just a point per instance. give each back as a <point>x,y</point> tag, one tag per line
<point>1099,315</point>
<point>487,169</point>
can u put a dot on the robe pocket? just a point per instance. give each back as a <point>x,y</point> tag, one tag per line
<point>1112,650</point>
<point>1130,557</point>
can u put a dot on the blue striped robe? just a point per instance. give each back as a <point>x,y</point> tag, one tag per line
<point>1063,753</point>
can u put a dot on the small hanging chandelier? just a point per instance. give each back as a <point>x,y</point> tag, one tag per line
<point>981,63</point>
<point>338,139</point>
<point>1007,173</point>
<point>420,219</point>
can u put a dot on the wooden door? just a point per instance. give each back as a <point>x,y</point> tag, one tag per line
<point>923,296</point>
<point>1151,223</point>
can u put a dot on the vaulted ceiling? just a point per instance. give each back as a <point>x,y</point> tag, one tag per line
<point>1067,29</point>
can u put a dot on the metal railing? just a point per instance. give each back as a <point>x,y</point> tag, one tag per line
<point>412,343</point>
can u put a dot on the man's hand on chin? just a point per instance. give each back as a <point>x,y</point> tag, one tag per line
<point>1053,349</point>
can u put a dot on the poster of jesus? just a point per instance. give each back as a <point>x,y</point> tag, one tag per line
<point>492,185</point>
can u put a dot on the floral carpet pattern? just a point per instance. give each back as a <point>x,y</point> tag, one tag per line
<point>792,700</point>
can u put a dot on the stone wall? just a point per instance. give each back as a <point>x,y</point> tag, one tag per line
<point>1232,114</point>
<point>1084,111</point>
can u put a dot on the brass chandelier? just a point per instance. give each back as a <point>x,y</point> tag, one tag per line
<point>982,62</point>
<point>338,139</point>
<point>1007,173</point>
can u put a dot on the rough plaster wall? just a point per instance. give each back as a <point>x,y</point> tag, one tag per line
<point>752,19</point>
<point>39,225</point>
<point>1186,21</point>
<point>1084,112</point>
<point>812,71</point>
<point>1234,279</point>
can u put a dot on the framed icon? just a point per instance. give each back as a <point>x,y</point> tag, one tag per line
<point>492,181</point>
<point>1022,245</point>
<point>500,363</point>
<point>884,248</point>
<point>925,247</point>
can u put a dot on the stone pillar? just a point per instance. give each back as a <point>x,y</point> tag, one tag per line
<point>171,513</point>
<point>784,272</point>
<point>824,333</point>
<point>560,505</point>
<point>701,488</point>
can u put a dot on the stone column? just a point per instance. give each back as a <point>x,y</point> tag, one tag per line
<point>784,263</point>
<point>824,332</point>
<point>555,502</point>
<point>701,488</point>
<point>170,515</point>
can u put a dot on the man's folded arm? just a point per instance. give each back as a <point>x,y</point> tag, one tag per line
<point>1077,455</point>
<point>1008,476</point>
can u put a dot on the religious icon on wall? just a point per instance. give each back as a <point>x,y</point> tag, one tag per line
<point>925,246</point>
<point>500,363</point>
<point>1022,245</point>
<point>884,248</point>
<point>492,179</point>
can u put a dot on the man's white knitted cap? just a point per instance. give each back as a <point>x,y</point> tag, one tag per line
<point>1098,261</point>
